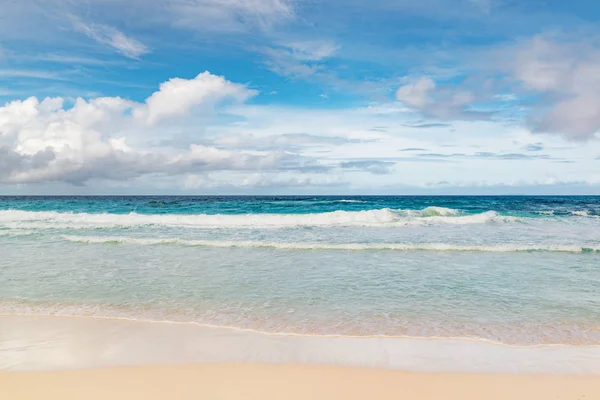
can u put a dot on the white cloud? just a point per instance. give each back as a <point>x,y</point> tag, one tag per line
<point>177,96</point>
<point>445,103</point>
<point>99,138</point>
<point>231,15</point>
<point>416,94</point>
<point>282,62</point>
<point>108,35</point>
<point>557,75</point>
<point>67,59</point>
<point>311,50</point>
<point>308,60</point>
<point>375,166</point>
<point>566,72</point>
<point>33,74</point>
<point>245,147</point>
<point>282,141</point>
<point>260,181</point>
<point>300,58</point>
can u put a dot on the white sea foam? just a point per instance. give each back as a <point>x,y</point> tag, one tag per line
<point>13,232</point>
<point>369,218</point>
<point>504,248</point>
<point>581,213</point>
<point>434,211</point>
<point>546,212</point>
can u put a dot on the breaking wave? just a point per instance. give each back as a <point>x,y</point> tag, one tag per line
<point>11,233</point>
<point>504,248</point>
<point>369,218</point>
<point>585,213</point>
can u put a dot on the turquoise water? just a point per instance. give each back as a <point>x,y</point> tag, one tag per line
<point>515,270</point>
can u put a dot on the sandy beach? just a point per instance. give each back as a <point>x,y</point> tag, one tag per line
<point>87,358</point>
<point>259,381</point>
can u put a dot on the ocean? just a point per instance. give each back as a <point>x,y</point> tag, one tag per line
<point>521,271</point>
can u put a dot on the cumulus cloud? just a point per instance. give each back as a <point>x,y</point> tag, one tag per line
<point>567,74</point>
<point>444,103</point>
<point>417,93</point>
<point>50,140</point>
<point>112,37</point>
<point>561,73</point>
<point>13,163</point>
<point>220,142</point>
<point>177,96</point>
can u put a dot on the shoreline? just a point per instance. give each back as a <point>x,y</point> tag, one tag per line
<point>307,335</point>
<point>45,343</point>
<point>260,381</point>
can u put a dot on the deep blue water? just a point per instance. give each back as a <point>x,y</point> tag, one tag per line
<point>509,205</point>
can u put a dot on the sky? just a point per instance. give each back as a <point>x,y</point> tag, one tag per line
<point>299,97</point>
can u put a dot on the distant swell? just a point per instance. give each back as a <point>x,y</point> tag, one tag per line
<point>369,218</point>
<point>506,248</point>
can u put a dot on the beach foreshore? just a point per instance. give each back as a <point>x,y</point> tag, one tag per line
<point>50,343</point>
<point>51,357</point>
<point>261,381</point>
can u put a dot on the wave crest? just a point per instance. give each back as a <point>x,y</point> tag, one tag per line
<point>368,218</point>
<point>504,248</point>
<point>434,211</point>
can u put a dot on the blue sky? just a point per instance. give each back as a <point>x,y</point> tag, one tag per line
<point>294,97</point>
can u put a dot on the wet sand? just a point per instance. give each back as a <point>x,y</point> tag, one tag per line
<point>66,358</point>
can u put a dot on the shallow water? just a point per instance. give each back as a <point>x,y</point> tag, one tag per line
<point>515,270</point>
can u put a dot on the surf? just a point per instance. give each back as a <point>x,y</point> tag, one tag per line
<point>435,247</point>
<point>384,217</point>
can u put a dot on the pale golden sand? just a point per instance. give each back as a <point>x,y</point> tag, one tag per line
<point>258,381</point>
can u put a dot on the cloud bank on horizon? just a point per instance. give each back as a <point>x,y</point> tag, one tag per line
<point>282,96</point>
